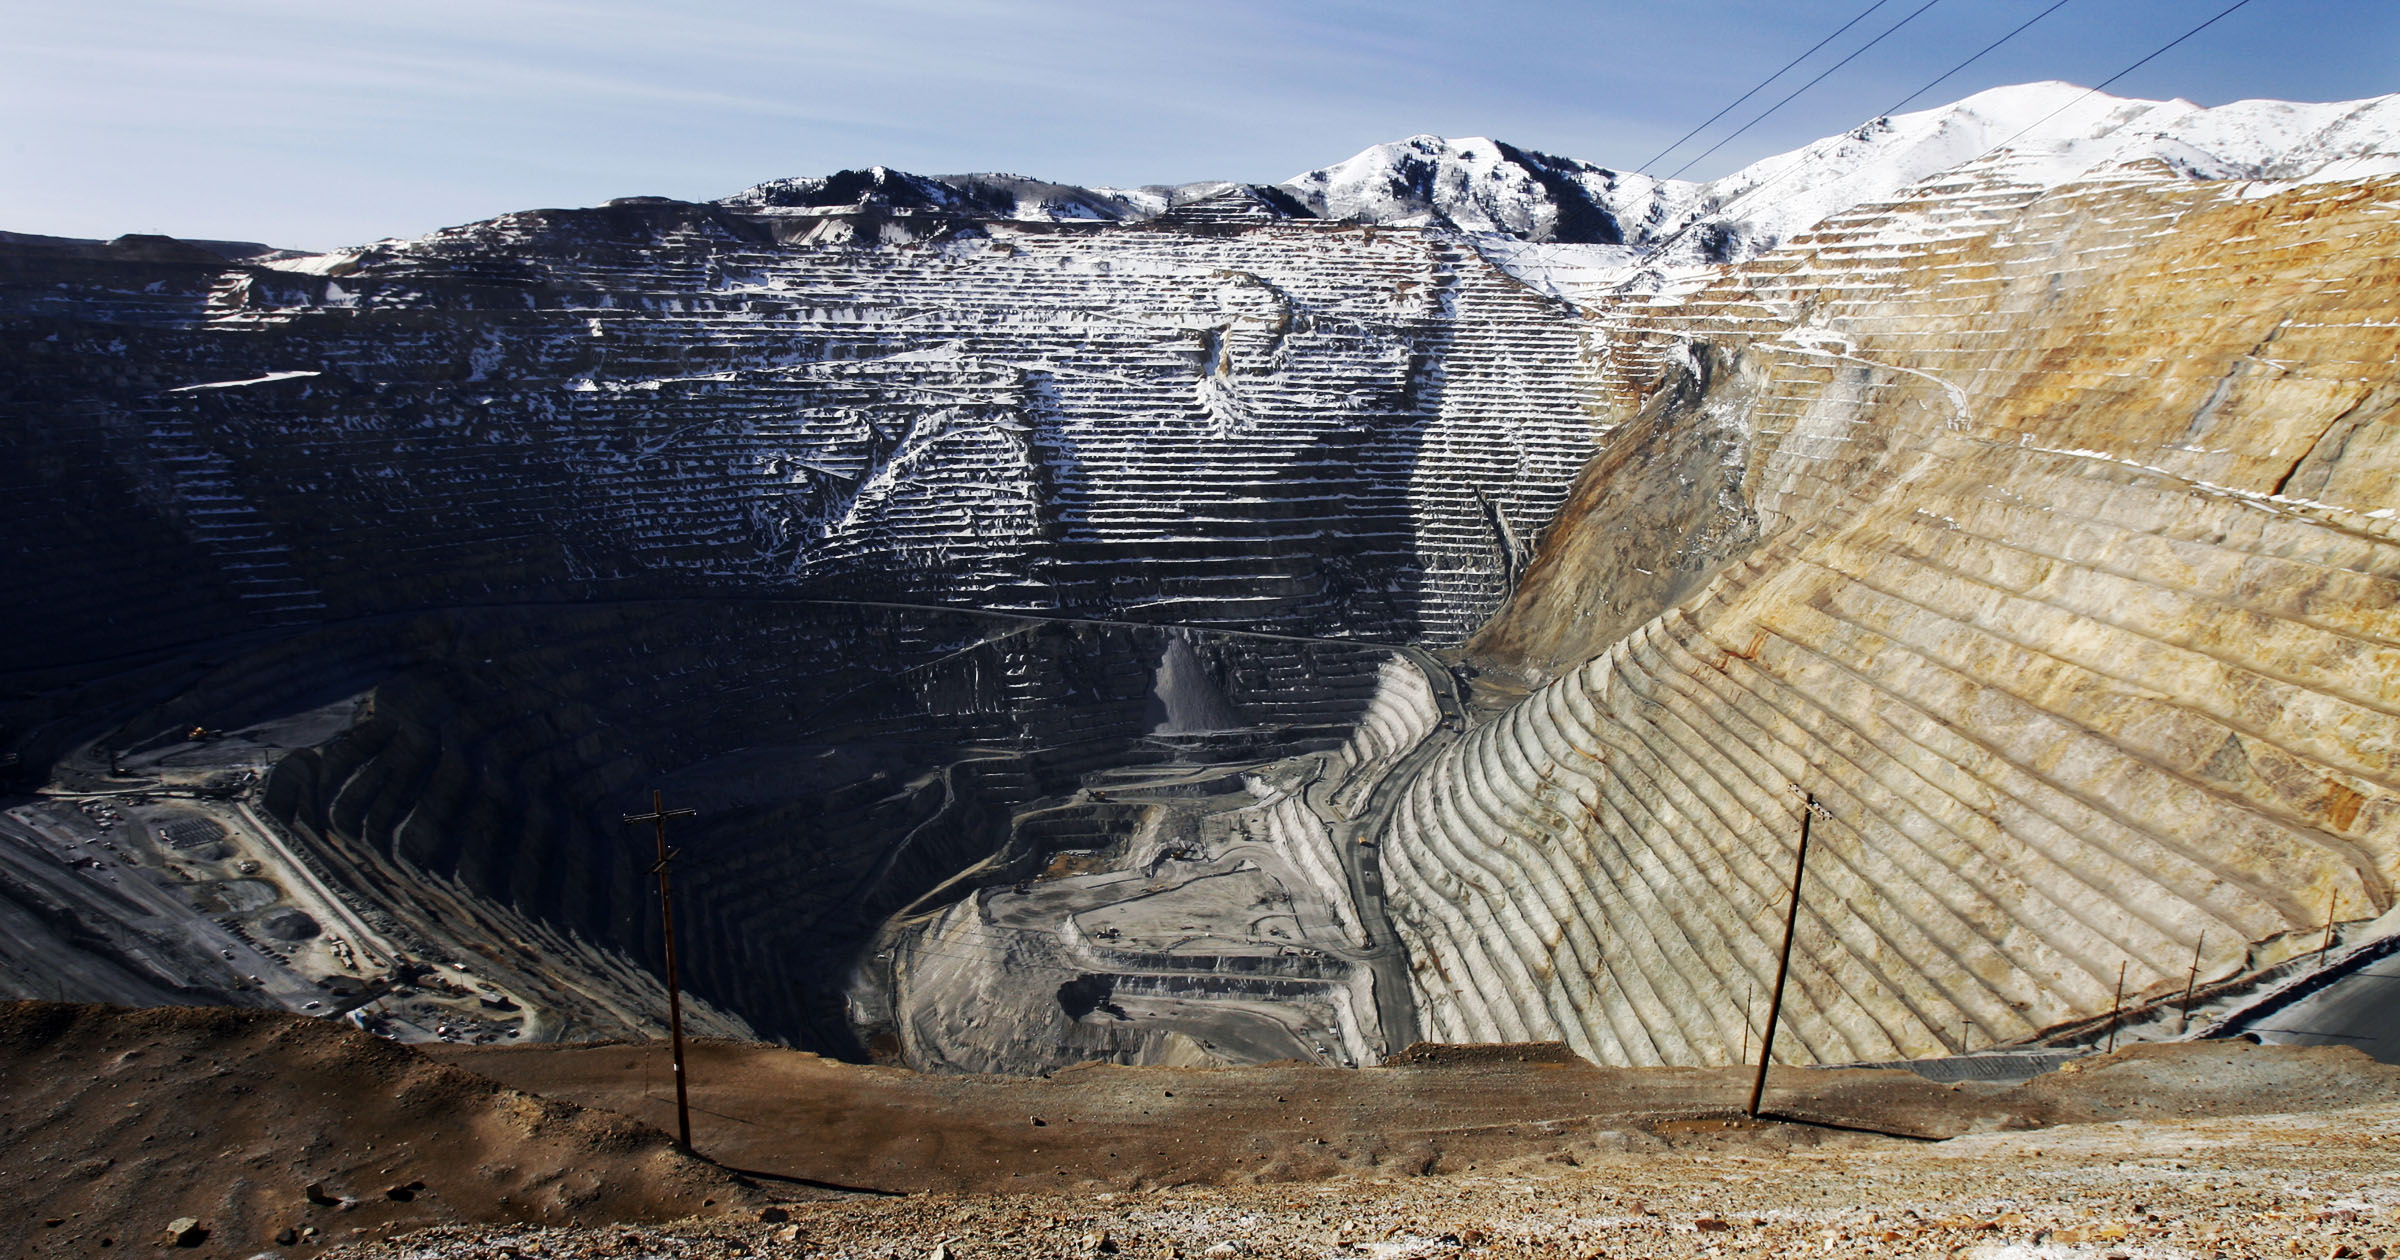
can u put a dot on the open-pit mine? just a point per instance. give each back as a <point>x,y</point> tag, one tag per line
<point>1234,624</point>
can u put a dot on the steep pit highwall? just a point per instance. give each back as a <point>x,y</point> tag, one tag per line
<point>2048,540</point>
<point>846,762</point>
<point>2045,538</point>
<point>530,486</point>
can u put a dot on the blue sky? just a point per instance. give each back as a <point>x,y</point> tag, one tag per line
<point>316,123</point>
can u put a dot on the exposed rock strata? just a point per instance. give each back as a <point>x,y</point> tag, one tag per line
<point>2041,531</point>
<point>2070,595</point>
<point>469,474</point>
<point>1165,422</point>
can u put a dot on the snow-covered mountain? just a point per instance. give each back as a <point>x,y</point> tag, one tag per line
<point>1566,224</point>
<point>2045,134</point>
<point>1489,187</point>
<point>867,513</point>
<point>1569,226</point>
<point>992,195</point>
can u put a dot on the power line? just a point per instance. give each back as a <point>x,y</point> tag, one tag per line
<point>1590,890</point>
<point>1763,116</point>
<point>1751,285</point>
<point>1597,897</point>
<point>1802,259</point>
<point>2221,14</point>
<point>1587,897</point>
<point>1610,889</point>
<point>1721,974</point>
<point>2091,92</point>
<point>1661,155</point>
<point>1894,108</point>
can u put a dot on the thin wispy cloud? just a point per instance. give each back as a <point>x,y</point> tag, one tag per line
<point>327,121</point>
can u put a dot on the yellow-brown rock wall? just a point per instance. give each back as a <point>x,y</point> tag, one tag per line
<point>2048,538</point>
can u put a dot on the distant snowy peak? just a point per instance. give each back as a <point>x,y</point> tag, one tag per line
<point>2070,132</point>
<point>982,196</point>
<point>2036,134</point>
<point>1488,187</point>
<point>1016,197</point>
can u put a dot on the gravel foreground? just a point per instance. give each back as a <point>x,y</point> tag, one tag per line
<point>2321,1184</point>
<point>214,1132</point>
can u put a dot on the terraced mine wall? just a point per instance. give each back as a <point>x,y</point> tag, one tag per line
<point>867,759</point>
<point>524,482</point>
<point>2047,539</point>
<point>1267,425</point>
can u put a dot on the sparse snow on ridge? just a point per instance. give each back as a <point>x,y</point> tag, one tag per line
<point>319,264</point>
<point>1569,271</point>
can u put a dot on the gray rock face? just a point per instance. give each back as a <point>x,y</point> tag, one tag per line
<point>850,511</point>
<point>1269,425</point>
<point>1487,186</point>
<point>538,483</point>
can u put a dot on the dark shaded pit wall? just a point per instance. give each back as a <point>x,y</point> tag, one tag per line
<point>2046,538</point>
<point>537,485</point>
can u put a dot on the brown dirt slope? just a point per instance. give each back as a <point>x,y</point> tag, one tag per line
<point>2319,1185</point>
<point>118,1121</point>
<point>1437,1109</point>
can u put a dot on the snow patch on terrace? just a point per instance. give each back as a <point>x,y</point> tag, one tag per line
<point>322,264</point>
<point>253,380</point>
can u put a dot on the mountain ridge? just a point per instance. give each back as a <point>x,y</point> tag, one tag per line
<point>1508,197</point>
<point>2049,132</point>
<point>867,520</point>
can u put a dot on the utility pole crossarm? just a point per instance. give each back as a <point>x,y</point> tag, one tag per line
<point>657,817</point>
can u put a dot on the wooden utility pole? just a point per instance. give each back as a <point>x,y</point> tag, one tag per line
<point>658,816</point>
<point>1783,965</point>
<point>1749,991</point>
<point>2116,1011</point>
<point>2191,982</point>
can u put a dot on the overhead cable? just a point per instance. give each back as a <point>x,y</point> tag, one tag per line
<point>1821,76</point>
<point>1760,86</point>
<point>2021,133</point>
<point>2090,92</point>
<point>1894,108</point>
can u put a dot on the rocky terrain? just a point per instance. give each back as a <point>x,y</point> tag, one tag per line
<point>2282,1186</point>
<point>1230,623</point>
<point>2045,537</point>
<point>267,1129</point>
<point>225,1133</point>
